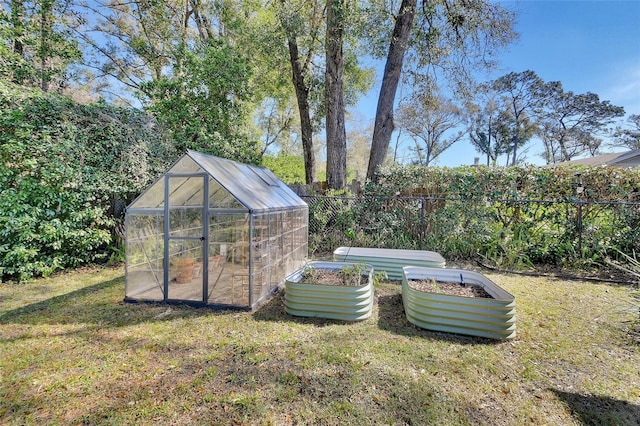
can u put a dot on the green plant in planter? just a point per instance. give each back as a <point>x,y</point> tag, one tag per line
<point>379,277</point>
<point>310,275</point>
<point>352,274</point>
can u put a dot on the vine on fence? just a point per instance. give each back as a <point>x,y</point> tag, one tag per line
<point>510,217</point>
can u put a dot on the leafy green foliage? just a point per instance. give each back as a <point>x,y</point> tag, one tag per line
<point>289,168</point>
<point>66,172</point>
<point>511,217</point>
<point>36,43</point>
<point>202,103</point>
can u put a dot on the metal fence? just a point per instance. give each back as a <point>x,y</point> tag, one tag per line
<point>509,232</point>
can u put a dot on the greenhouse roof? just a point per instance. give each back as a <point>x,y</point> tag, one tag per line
<point>234,186</point>
<point>254,187</point>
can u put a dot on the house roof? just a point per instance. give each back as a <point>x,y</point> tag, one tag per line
<point>618,159</point>
<point>237,186</point>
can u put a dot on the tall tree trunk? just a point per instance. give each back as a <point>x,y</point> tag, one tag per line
<point>334,96</point>
<point>17,22</point>
<point>383,127</point>
<point>302,96</point>
<point>45,48</point>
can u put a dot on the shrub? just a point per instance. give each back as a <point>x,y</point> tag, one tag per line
<point>66,171</point>
<point>511,217</point>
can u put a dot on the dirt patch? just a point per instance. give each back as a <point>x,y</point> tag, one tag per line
<point>452,289</point>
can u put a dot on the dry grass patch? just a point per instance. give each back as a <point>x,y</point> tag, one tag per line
<point>72,352</point>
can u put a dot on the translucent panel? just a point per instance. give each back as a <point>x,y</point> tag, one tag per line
<point>185,222</point>
<point>220,198</point>
<point>261,245</point>
<point>185,165</point>
<point>268,178</point>
<point>144,257</point>
<point>228,263</point>
<point>280,247</point>
<point>152,198</point>
<point>254,187</point>
<point>185,270</point>
<point>186,191</point>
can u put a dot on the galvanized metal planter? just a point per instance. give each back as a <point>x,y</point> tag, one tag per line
<point>390,260</point>
<point>493,318</point>
<point>347,303</point>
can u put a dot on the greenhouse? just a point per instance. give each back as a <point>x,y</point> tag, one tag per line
<point>228,232</point>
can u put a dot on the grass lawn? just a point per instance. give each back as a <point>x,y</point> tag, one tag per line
<point>72,352</point>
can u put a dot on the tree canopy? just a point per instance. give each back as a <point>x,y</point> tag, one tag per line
<point>243,79</point>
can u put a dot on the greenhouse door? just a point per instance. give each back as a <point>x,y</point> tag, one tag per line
<point>185,245</point>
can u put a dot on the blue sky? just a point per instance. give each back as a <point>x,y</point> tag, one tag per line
<point>590,46</point>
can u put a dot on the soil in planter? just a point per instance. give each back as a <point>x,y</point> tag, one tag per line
<point>452,289</point>
<point>329,277</point>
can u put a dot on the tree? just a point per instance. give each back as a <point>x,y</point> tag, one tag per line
<point>202,103</point>
<point>452,37</point>
<point>304,24</point>
<point>629,137</point>
<point>289,168</point>
<point>36,48</point>
<point>432,122</point>
<point>131,43</point>
<point>292,18</point>
<point>570,124</point>
<point>487,127</point>
<point>358,147</point>
<point>383,127</point>
<point>334,97</point>
<point>520,95</point>
<point>276,121</point>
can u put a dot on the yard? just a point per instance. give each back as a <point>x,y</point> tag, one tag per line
<point>72,352</point>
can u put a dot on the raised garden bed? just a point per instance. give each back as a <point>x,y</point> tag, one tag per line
<point>457,301</point>
<point>319,291</point>
<point>390,261</point>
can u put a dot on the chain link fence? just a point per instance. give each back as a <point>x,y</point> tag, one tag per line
<point>510,233</point>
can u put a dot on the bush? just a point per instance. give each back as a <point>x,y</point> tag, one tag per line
<point>560,183</point>
<point>66,172</point>
<point>510,217</point>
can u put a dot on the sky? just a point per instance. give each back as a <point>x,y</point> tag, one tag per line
<point>589,46</point>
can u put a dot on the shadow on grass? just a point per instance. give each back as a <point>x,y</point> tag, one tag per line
<point>101,305</point>
<point>273,311</point>
<point>392,318</point>
<point>599,410</point>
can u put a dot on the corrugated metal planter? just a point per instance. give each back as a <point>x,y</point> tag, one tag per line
<point>390,260</point>
<point>494,317</point>
<point>347,303</point>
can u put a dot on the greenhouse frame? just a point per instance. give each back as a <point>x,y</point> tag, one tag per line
<point>229,232</point>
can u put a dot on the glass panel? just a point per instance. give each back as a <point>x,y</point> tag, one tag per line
<point>185,270</point>
<point>220,198</point>
<point>261,259</point>
<point>185,222</point>
<point>268,178</point>
<point>228,261</point>
<point>145,254</point>
<point>185,165</point>
<point>186,191</point>
<point>152,198</point>
<point>185,250</point>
